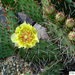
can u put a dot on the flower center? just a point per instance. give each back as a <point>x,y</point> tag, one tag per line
<point>26,36</point>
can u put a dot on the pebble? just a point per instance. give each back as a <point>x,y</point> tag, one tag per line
<point>41,32</point>
<point>23,17</point>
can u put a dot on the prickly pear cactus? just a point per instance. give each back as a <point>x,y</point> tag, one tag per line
<point>6,46</point>
<point>52,68</point>
<point>67,8</point>
<point>59,29</point>
<point>31,9</point>
<point>44,50</point>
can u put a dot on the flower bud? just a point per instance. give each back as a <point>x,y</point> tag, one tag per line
<point>49,10</point>
<point>60,16</point>
<point>71,36</point>
<point>69,22</point>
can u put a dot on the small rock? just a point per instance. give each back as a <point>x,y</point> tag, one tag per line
<point>23,17</point>
<point>41,32</point>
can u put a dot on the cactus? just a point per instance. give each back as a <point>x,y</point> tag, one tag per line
<point>31,9</point>
<point>58,30</point>
<point>41,52</point>
<point>6,46</point>
<point>69,22</point>
<point>49,10</point>
<point>71,35</point>
<point>65,7</point>
<point>60,17</point>
<point>11,19</point>
<point>52,68</point>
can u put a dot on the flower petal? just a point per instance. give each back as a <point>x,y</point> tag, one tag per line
<point>25,36</point>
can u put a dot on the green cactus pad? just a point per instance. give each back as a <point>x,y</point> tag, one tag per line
<point>43,50</point>
<point>6,46</point>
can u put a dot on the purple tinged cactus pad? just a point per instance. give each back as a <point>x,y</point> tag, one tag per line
<point>71,36</point>
<point>69,22</point>
<point>60,16</point>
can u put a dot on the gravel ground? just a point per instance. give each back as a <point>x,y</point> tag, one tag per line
<point>14,65</point>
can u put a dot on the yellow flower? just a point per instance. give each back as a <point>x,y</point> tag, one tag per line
<point>25,36</point>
